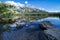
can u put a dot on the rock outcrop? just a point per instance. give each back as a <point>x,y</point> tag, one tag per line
<point>45,32</point>
<point>52,32</point>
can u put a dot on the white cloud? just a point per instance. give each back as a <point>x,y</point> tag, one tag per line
<point>32,6</point>
<point>17,4</point>
<point>53,10</point>
<point>49,10</point>
<point>42,8</point>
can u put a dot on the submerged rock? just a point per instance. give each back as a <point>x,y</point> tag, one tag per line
<point>23,34</point>
<point>33,31</point>
<point>52,32</point>
<point>26,33</point>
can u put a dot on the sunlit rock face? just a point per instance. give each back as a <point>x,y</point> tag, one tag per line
<point>53,33</point>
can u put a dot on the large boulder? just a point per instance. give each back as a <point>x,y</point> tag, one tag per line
<point>52,32</point>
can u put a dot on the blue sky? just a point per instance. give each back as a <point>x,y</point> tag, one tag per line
<point>48,5</point>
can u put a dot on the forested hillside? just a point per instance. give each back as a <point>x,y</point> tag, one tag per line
<point>11,13</point>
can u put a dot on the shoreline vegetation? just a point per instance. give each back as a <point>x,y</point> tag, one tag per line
<point>9,14</point>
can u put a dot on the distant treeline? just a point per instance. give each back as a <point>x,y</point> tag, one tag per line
<point>57,14</point>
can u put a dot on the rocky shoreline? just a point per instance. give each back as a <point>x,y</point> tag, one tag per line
<point>37,31</point>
